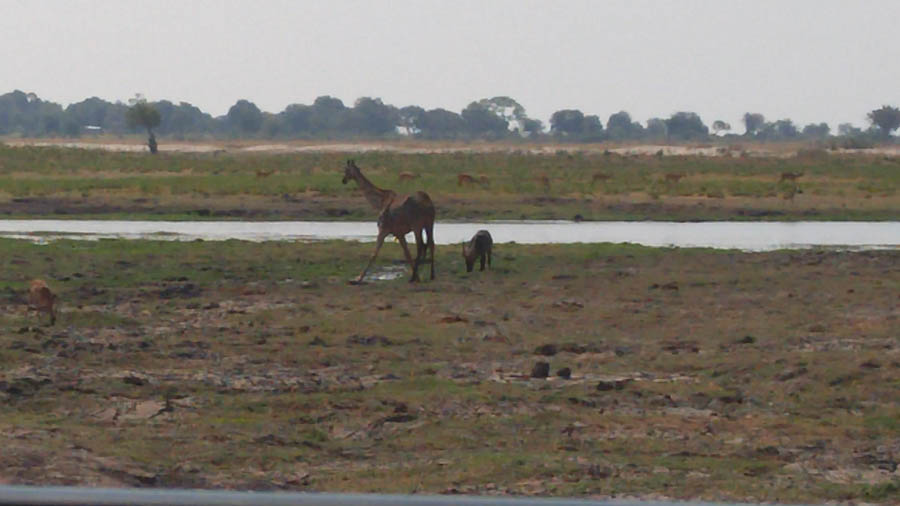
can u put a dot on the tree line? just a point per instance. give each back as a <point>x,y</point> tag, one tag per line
<point>25,114</point>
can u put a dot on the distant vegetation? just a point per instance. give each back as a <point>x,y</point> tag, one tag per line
<point>25,115</point>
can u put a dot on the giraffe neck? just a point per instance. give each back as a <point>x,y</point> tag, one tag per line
<point>376,196</point>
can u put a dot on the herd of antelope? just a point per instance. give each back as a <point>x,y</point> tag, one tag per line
<point>397,215</point>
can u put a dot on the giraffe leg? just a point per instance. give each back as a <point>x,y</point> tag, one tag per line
<point>421,247</point>
<point>414,265</point>
<point>380,241</point>
<point>429,228</point>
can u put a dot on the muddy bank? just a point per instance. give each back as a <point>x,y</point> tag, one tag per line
<point>311,208</point>
<point>604,371</point>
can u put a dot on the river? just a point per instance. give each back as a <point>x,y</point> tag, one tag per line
<point>749,236</point>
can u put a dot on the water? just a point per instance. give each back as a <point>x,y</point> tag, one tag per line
<point>750,236</point>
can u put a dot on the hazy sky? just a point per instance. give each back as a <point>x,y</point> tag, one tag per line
<point>808,60</point>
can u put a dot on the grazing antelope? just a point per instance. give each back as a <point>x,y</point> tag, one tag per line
<point>673,177</point>
<point>406,176</point>
<point>264,173</point>
<point>789,176</point>
<point>484,180</point>
<point>464,178</point>
<point>41,299</point>
<point>478,247</point>
<point>398,216</point>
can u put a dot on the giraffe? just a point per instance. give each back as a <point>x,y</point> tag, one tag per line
<point>398,215</point>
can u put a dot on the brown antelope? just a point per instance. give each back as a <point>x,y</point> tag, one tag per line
<point>478,247</point>
<point>600,176</point>
<point>264,173</point>
<point>673,177</point>
<point>789,176</point>
<point>40,298</point>
<point>396,213</point>
<point>406,176</point>
<point>543,180</point>
<point>464,178</point>
<point>484,180</point>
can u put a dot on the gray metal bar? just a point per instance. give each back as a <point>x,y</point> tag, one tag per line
<point>81,496</point>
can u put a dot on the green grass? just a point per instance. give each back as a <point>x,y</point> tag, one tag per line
<point>183,184</point>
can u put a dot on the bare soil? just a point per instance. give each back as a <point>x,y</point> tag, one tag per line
<point>684,374</point>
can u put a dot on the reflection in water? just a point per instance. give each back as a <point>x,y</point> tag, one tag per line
<point>752,236</point>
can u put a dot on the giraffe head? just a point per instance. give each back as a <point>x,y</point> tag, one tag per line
<point>350,171</point>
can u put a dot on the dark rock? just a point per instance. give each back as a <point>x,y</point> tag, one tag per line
<point>548,350</point>
<point>746,340</point>
<point>369,340</point>
<point>540,370</point>
<point>185,290</point>
<point>789,374</point>
<point>617,384</point>
<point>564,373</point>
<point>870,364</point>
<point>134,380</point>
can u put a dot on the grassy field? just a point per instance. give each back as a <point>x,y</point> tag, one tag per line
<point>517,184</point>
<point>693,373</point>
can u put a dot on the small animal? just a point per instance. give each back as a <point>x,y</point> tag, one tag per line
<point>789,176</point>
<point>41,298</point>
<point>484,180</point>
<point>478,247</point>
<point>673,177</point>
<point>600,176</point>
<point>407,176</point>
<point>264,173</point>
<point>464,178</point>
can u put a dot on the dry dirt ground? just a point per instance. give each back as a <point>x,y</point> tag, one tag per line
<point>587,370</point>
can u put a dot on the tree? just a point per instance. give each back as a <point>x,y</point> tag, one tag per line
<point>409,119</point>
<point>753,122</point>
<point>509,110</point>
<point>848,130</point>
<point>532,127</point>
<point>567,122</point>
<point>482,121</point>
<point>592,129</point>
<point>327,115</point>
<point>296,119</point>
<point>619,127</point>
<point>441,124</point>
<point>814,131</point>
<point>370,116</point>
<point>142,114</point>
<point>244,118</point>
<point>656,129</point>
<point>887,119</point>
<point>781,130</point>
<point>720,126</point>
<point>686,126</point>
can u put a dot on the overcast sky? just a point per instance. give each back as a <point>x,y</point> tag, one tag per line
<point>807,60</point>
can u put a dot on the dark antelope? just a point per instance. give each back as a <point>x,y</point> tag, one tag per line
<point>478,247</point>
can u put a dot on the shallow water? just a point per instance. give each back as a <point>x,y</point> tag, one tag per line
<point>751,236</point>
